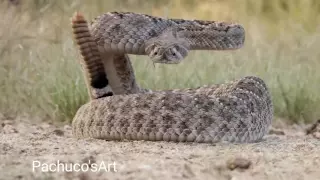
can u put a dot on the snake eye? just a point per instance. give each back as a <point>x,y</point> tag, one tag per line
<point>173,54</point>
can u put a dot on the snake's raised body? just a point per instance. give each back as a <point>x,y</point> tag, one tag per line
<point>238,111</point>
<point>164,40</point>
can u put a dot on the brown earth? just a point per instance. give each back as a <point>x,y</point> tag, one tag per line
<point>28,149</point>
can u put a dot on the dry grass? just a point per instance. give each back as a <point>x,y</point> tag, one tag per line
<point>40,74</point>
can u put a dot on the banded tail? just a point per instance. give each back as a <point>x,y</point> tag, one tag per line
<point>96,78</point>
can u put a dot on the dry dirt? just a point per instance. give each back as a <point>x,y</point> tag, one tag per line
<point>29,149</point>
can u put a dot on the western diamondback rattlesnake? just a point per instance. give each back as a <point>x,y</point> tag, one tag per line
<point>238,111</point>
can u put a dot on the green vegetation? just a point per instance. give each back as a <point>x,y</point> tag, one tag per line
<point>40,74</point>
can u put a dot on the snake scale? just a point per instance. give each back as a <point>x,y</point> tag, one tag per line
<point>237,111</point>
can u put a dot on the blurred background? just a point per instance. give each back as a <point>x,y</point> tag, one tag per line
<point>40,74</point>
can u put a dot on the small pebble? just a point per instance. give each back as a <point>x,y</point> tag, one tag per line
<point>9,129</point>
<point>58,132</point>
<point>314,130</point>
<point>238,162</point>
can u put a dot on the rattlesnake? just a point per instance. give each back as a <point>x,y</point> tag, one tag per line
<point>238,111</point>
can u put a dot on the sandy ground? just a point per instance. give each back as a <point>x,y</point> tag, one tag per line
<point>33,150</point>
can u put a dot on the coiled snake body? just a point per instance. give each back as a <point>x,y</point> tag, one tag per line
<point>238,111</point>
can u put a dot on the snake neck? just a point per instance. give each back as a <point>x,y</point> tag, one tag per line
<point>120,73</point>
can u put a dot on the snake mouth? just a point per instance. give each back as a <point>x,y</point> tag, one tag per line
<point>166,61</point>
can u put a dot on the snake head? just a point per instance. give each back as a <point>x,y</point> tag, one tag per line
<point>166,53</point>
